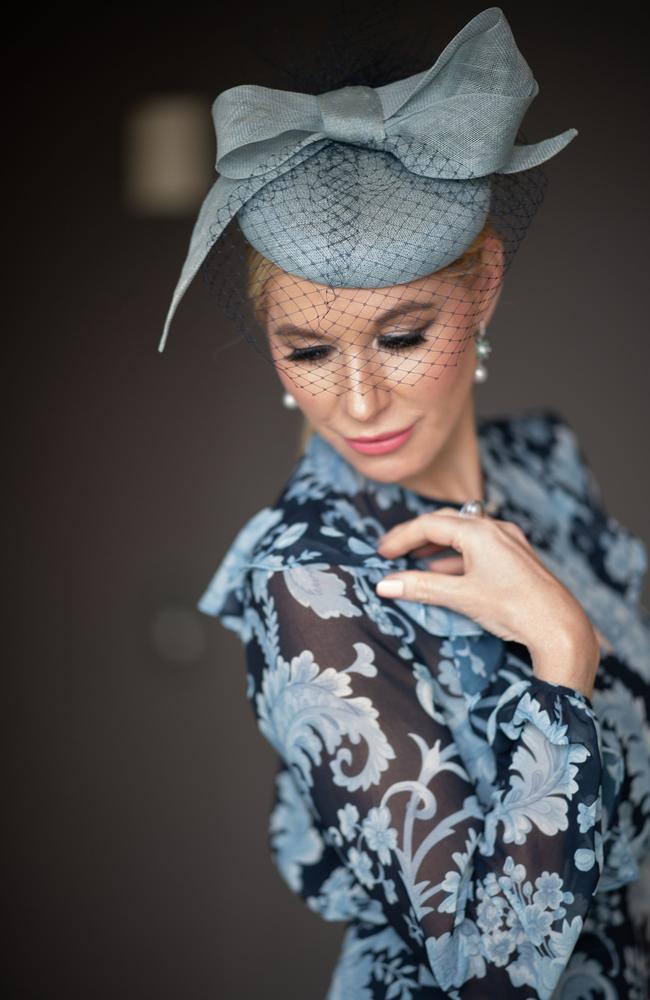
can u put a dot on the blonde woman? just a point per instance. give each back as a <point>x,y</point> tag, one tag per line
<point>441,621</point>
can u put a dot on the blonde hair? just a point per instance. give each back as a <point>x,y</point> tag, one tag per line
<point>260,270</point>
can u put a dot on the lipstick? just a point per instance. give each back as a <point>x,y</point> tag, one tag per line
<point>380,444</point>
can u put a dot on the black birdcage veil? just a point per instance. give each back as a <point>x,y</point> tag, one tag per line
<point>381,316</point>
<point>358,235</point>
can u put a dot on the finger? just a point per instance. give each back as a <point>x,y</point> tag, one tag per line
<point>427,588</point>
<point>446,530</point>
<point>394,531</point>
<point>448,564</point>
<point>428,549</point>
<point>412,530</point>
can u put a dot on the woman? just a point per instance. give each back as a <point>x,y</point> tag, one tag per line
<point>463,760</point>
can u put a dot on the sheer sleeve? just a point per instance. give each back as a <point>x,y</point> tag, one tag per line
<point>487,892</point>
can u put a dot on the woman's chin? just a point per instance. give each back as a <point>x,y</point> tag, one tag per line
<point>384,468</point>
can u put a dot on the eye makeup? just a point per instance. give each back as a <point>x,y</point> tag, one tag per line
<point>396,343</point>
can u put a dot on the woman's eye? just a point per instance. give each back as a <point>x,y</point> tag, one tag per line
<point>308,354</point>
<point>404,340</point>
<point>390,343</point>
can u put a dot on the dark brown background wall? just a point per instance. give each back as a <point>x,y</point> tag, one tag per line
<point>139,786</point>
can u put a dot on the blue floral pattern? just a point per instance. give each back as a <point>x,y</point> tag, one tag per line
<point>475,827</point>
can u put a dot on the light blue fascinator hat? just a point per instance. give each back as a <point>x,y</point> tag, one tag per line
<point>374,187</point>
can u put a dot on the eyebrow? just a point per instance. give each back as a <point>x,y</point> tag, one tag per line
<point>391,314</point>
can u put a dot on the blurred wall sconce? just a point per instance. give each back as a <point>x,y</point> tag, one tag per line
<point>169,154</point>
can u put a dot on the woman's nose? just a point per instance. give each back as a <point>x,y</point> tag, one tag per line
<point>365,391</point>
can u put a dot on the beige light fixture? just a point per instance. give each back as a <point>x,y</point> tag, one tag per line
<point>169,155</point>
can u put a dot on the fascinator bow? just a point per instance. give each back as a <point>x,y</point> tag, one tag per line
<point>457,120</point>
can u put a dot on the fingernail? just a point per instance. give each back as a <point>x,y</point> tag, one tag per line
<point>390,588</point>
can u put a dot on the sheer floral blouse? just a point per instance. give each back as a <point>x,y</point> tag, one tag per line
<point>481,832</point>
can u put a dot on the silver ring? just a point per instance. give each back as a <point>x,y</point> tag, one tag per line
<point>472,508</point>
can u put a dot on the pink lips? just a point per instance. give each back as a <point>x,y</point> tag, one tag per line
<point>380,444</point>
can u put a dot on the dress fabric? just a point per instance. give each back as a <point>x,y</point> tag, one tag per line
<point>479,831</point>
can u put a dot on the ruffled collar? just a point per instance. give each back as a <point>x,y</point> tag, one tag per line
<point>535,474</point>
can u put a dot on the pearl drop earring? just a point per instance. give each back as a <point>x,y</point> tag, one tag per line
<point>289,401</point>
<point>483,348</point>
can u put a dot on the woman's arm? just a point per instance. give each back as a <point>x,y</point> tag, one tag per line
<point>490,893</point>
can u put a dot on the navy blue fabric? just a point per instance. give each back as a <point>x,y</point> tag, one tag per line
<point>475,827</point>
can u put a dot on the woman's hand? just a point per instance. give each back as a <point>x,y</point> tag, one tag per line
<point>496,578</point>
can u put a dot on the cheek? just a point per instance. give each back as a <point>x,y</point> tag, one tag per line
<point>447,384</point>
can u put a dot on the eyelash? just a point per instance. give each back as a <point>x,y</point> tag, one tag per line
<point>313,354</point>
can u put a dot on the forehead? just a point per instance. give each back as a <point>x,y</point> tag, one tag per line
<point>288,296</point>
